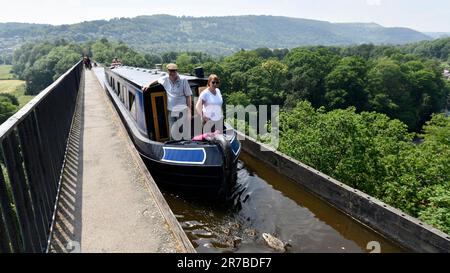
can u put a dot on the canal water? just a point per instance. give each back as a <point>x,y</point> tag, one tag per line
<point>267,202</point>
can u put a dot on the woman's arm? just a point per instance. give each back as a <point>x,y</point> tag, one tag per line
<point>199,107</point>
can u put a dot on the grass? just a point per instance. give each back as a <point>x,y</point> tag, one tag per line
<point>5,72</point>
<point>14,87</point>
<point>10,86</point>
<point>20,95</point>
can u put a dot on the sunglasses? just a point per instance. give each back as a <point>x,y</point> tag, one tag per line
<point>215,82</point>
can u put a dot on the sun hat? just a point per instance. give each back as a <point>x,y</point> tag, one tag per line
<point>172,66</point>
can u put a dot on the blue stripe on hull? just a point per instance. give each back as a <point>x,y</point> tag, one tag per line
<point>184,155</point>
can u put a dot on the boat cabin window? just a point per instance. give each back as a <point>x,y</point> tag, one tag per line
<point>118,87</point>
<point>132,104</point>
<point>123,94</point>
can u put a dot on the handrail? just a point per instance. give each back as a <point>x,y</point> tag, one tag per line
<point>33,144</point>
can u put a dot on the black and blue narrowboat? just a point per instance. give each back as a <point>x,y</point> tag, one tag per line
<point>207,166</point>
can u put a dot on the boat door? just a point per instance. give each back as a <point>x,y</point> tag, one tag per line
<point>159,112</point>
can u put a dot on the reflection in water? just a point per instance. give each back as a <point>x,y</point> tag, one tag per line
<point>266,202</point>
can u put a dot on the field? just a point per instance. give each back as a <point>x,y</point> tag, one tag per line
<point>20,94</point>
<point>14,87</point>
<point>10,86</point>
<point>5,72</point>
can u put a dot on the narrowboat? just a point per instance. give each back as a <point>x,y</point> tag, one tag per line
<point>185,166</point>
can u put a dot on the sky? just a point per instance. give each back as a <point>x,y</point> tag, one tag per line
<point>425,16</point>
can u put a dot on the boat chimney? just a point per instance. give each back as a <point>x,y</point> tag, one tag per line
<point>199,73</point>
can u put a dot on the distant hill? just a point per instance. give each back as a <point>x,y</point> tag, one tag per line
<point>438,35</point>
<point>215,35</point>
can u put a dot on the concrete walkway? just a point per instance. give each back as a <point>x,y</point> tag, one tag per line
<point>108,200</point>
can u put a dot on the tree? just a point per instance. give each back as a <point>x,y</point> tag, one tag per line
<point>237,98</point>
<point>215,68</point>
<point>241,61</point>
<point>277,72</point>
<point>280,53</point>
<point>364,51</point>
<point>259,87</point>
<point>184,62</point>
<point>65,63</point>
<point>7,108</point>
<point>13,99</point>
<point>39,76</point>
<point>346,85</point>
<point>42,63</point>
<point>152,60</point>
<point>262,83</point>
<point>169,57</point>
<point>264,52</point>
<point>376,155</point>
<point>307,69</point>
<point>237,81</point>
<point>387,87</point>
<point>341,143</point>
<point>102,52</point>
<point>427,91</point>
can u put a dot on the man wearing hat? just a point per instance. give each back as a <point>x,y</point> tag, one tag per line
<point>179,96</point>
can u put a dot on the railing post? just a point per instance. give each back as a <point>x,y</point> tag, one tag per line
<point>21,196</point>
<point>10,233</point>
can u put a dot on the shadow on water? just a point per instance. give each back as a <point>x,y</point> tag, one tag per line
<point>266,202</point>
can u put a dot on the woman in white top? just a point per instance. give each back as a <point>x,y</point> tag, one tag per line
<point>209,104</point>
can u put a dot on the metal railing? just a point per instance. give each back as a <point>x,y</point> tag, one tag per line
<point>32,149</point>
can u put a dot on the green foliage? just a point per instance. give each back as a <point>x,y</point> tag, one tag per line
<point>387,87</point>
<point>264,81</point>
<point>13,99</point>
<point>212,67</point>
<point>241,61</point>
<point>439,49</point>
<point>346,84</point>
<point>376,155</point>
<point>306,76</point>
<point>65,63</point>
<point>104,51</point>
<point>8,107</point>
<point>6,58</point>
<point>264,52</point>
<point>187,61</point>
<point>39,76</point>
<point>237,98</point>
<point>39,64</point>
<point>5,72</point>
<point>370,78</point>
<point>152,59</point>
<point>438,211</point>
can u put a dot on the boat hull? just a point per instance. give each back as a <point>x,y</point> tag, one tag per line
<point>192,180</point>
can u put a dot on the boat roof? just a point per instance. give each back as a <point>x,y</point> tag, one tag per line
<point>143,76</point>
